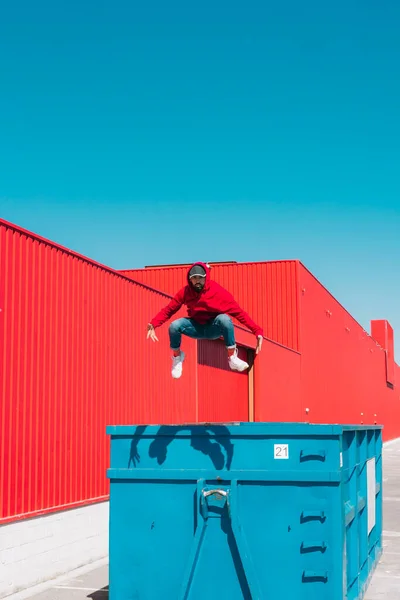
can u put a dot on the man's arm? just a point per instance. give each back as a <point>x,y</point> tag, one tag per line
<point>169,310</point>
<point>233,309</point>
<point>244,319</point>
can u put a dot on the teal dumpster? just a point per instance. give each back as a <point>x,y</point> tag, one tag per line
<point>272,511</point>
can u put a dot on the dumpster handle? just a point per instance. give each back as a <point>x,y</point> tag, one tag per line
<point>210,492</point>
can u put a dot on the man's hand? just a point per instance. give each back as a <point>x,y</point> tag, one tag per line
<point>151,333</point>
<point>259,343</point>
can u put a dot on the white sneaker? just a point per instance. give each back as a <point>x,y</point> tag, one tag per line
<point>236,363</point>
<point>177,365</point>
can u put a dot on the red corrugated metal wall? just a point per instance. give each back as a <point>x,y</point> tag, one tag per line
<point>343,370</point>
<point>75,354</point>
<point>277,394</point>
<point>223,394</point>
<point>268,291</point>
<point>74,359</point>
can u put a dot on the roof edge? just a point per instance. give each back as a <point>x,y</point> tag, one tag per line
<point>211,263</point>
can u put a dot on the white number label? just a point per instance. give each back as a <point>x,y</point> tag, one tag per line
<point>281,450</point>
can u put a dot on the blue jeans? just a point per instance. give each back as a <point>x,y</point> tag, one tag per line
<point>220,326</point>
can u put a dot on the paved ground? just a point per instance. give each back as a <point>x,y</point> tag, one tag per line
<point>385,584</point>
<point>91,585</point>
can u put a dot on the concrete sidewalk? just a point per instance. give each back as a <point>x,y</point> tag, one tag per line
<point>385,584</point>
<point>81,585</point>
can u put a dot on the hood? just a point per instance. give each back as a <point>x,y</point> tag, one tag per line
<point>207,270</point>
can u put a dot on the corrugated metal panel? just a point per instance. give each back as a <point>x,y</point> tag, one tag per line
<point>222,393</point>
<point>74,359</point>
<point>268,291</point>
<point>277,389</point>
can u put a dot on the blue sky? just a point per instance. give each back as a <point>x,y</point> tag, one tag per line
<point>144,133</point>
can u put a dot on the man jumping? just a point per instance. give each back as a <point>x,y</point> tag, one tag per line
<point>210,308</point>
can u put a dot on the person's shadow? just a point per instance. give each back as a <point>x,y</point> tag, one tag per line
<point>217,438</point>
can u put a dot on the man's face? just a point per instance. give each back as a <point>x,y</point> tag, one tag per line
<point>198,282</point>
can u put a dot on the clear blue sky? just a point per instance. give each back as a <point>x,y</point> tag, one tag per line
<point>155,132</point>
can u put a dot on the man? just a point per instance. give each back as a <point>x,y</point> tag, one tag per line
<point>210,308</point>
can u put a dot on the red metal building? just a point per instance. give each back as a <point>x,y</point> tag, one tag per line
<point>75,358</point>
<point>346,374</point>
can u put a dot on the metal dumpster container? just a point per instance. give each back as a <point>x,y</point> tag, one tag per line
<point>246,510</point>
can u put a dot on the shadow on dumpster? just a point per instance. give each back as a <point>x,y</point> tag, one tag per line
<point>99,594</point>
<point>212,444</point>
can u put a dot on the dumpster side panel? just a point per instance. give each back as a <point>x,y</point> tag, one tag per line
<point>362,495</point>
<point>304,556</point>
<point>263,523</point>
<point>149,561</point>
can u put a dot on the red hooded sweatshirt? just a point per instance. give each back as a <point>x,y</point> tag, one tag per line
<point>203,306</point>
